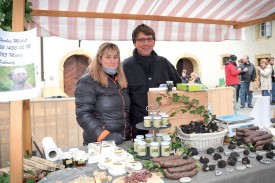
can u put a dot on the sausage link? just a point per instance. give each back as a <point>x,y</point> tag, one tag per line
<point>263,142</point>
<point>262,137</point>
<point>183,168</point>
<point>175,162</point>
<point>165,158</point>
<point>254,133</point>
<point>178,175</point>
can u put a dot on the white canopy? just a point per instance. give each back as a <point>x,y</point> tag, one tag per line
<point>172,20</point>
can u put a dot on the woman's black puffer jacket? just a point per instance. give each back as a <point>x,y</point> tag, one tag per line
<point>99,108</point>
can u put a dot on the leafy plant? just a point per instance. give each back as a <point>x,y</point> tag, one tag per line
<point>6,14</point>
<point>5,178</point>
<point>191,106</point>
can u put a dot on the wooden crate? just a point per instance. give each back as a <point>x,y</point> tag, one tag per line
<point>167,106</point>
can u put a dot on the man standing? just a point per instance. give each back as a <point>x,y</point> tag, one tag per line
<point>144,70</point>
<point>246,78</point>
<point>272,98</point>
<point>232,74</point>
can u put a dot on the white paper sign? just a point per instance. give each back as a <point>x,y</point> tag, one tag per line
<point>18,58</point>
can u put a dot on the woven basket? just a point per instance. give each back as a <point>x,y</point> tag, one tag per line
<point>202,141</point>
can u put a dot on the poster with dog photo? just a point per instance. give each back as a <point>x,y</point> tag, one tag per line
<point>18,59</point>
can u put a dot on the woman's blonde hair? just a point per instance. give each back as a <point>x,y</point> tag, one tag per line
<point>97,72</point>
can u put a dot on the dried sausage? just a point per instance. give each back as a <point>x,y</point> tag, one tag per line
<point>175,162</point>
<point>178,175</point>
<point>262,142</point>
<point>255,133</point>
<point>262,137</point>
<point>183,168</point>
<point>165,158</point>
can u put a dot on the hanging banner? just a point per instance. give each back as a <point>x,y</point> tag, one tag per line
<point>18,58</point>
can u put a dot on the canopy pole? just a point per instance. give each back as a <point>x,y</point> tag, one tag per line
<point>16,108</point>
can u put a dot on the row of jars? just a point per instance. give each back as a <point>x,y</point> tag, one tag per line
<point>161,147</point>
<point>156,120</point>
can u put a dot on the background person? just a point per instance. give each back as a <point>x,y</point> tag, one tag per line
<point>194,79</point>
<point>232,74</point>
<point>144,70</point>
<point>246,78</point>
<point>184,78</point>
<point>272,92</point>
<point>101,99</point>
<point>265,72</point>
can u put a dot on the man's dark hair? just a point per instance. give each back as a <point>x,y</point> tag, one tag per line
<point>145,29</point>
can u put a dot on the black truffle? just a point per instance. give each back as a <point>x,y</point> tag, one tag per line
<point>204,160</point>
<point>221,163</point>
<point>231,161</point>
<point>220,149</point>
<point>269,155</point>
<point>205,168</point>
<point>268,147</point>
<point>231,146</point>
<point>245,160</point>
<point>246,152</point>
<point>192,151</point>
<point>239,142</point>
<point>259,157</point>
<point>212,167</point>
<point>252,149</point>
<point>210,150</point>
<point>234,154</point>
<point>217,156</point>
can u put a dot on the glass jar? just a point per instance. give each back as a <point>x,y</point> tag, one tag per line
<point>147,121</point>
<point>140,137</point>
<point>148,139</point>
<point>165,148</point>
<point>159,137</point>
<point>141,148</point>
<point>157,121</point>
<point>165,119</point>
<point>154,149</point>
<point>136,143</point>
<point>167,138</point>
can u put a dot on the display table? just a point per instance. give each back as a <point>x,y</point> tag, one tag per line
<point>259,173</point>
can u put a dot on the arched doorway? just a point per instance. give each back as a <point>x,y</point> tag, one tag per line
<point>74,68</point>
<point>185,64</point>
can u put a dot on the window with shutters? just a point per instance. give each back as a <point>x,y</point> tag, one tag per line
<point>266,29</point>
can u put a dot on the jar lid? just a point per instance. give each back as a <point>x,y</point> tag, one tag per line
<point>159,134</point>
<point>157,117</point>
<point>141,143</point>
<point>162,113</point>
<point>137,140</point>
<point>166,137</point>
<point>147,117</point>
<point>154,144</point>
<point>148,135</point>
<point>139,137</point>
<point>164,143</point>
<point>165,116</point>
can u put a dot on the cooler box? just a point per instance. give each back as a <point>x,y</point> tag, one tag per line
<point>191,87</point>
<point>231,122</point>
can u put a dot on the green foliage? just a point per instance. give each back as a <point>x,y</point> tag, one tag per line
<point>6,14</point>
<point>5,178</point>
<point>192,106</point>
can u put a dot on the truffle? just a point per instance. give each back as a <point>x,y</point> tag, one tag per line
<point>246,152</point>
<point>231,161</point>
<point>259,157</point>
<point>204,160</point>
<point>217,156</point>
<point>210,150</point>
<point>220,149</point>
<point>221,163</point>
<point>245,160</point>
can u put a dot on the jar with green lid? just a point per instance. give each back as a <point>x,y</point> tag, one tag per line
<point>147,121</point>
<point>159,137</point>
<point>165,148</point>
<point>148,139</point>
<point>165,119</point>
<point>154,149</point>
<point>157,121</point>
<point>141,148</point>
<point>136,143</point>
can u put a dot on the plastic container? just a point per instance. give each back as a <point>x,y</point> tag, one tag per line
<point>165,148</point>
<point>147,121</point>
<point>157,121</point>
<point>136,143</point>
<point>159,137</point>
<point>165,120</point>
<point>141,148</point>
<point>148,139</point>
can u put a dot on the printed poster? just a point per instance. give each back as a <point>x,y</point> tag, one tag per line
<point>18,59</point>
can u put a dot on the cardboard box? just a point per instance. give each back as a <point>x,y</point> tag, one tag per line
<point>191,87</point>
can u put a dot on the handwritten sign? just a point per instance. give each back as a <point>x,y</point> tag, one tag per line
<point>18,58</point>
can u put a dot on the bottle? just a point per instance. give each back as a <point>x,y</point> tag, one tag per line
<point>141,148</point>
<point>165,148</point>
<point>154,149</point>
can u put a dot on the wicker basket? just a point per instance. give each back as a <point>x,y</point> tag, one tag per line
<point>202,141</point>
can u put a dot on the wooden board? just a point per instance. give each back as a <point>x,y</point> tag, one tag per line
<point>154,179</point>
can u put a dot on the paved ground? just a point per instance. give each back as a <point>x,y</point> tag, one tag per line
<point>246,111</point>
